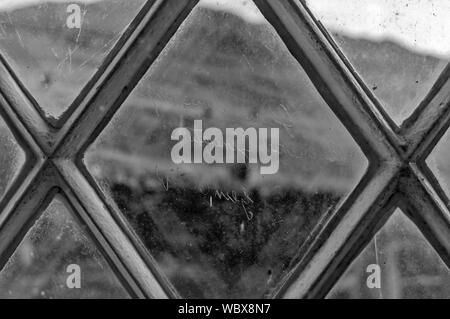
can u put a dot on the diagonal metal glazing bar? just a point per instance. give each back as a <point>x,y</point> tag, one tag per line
<point>424,199</point>
<point>14,215</point>
<point>335,83</point>
<point>423,131</point>
<point>105,70</point>
<point>343,239</point>
<point>20,214</point>
<point>143,45</point>
<point>48,132</point>
<point>33,154</point>
<point>413,193</point>
<point>86,93</point>
<point>13,93</point>
<point>331,252</point>
<point>128,281</point>
<point>429,122</point>
<point>129,265</point>
<point>427,210</point>
<point>40,191</point>
<point>141,50</point>
<point>123,74</point>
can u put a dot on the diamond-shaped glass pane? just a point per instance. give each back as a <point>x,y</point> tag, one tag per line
<point>57,259</point>
<point>12,158</point>
<point>55,47</point>
<point>226,229</point>
<point>398,263</point>
<point>439,163</point>
<point>399,47</point>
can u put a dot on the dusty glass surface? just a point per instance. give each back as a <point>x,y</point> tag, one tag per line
<point>56,46</point>
<point>41,265</point>
<point>399,47</point>
<point>225,230</point>
<point>12,158</point>
<point>409,267</point>
<point>438,162</point>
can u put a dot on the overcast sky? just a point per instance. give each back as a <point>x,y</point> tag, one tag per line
<point>421,25</point>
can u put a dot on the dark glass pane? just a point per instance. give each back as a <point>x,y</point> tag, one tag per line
<point>56,46</point>
<point>41,265</point>
<point>399,47</point>
<point>409,267</point>
<point>226,229</point>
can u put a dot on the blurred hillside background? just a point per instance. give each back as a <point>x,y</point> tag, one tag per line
<point>214,230</point>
